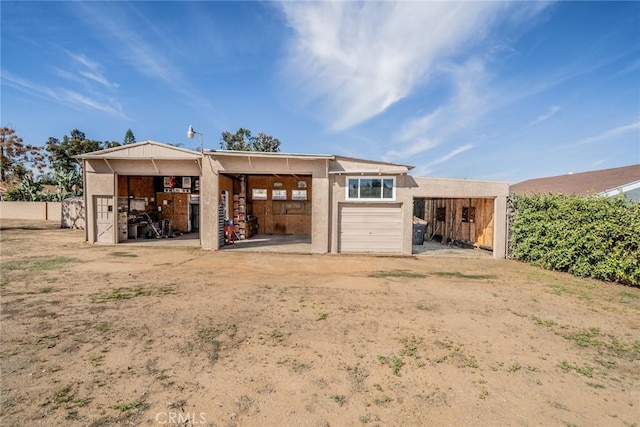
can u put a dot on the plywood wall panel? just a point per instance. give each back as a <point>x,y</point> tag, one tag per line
<point>272,221</point>
<point>176,209</point>
<point>479,232</point>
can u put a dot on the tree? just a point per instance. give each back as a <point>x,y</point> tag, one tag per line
<point>29,190</point>
<point>239,141</point>
<point>14,155</point>
<point>61,152</point>
<point>243,141</point>
<point>129,138</point>
<point>68,183</point>
<point>266,143</point>
<point>110,144</point>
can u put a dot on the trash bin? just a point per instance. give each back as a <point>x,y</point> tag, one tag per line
<point>419,230</point>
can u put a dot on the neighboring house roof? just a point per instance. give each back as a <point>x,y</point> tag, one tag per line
<point>580,184</point>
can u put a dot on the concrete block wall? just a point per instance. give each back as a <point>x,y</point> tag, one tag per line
<point>41,211</point>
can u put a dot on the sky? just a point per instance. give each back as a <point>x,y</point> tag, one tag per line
<point>503,91</point>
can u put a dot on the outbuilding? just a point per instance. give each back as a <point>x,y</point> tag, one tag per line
<point>342,204</point>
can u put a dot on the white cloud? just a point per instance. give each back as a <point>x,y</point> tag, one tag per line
<point>64,96</point>
<point>428,168</point>
<point>91,70</point>
<point>412,149</point>
<point>148,55</point>
<point>546,116</point>
<point>470,100</point>
<point>609,134</point>
<point>358,58</point>
<point>131,46</point>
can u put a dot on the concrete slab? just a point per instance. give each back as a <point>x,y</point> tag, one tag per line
<point>431,248</point>
<point>273,243</point>
<point>186,240</point>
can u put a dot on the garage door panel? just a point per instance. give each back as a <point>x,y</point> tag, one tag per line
<point>366,228</point>
<point>366,232</point>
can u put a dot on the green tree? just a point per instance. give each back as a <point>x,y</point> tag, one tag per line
<point>61,152</point>
<point>110,144</point>
<point>266,143</point>
<point>69,183</point>
<point>242,140</point>
<point>29,190</point>
<point>239,141</point>
<point>129,138</point>
<point>14,156</point>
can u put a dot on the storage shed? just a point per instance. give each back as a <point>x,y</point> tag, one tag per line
<point>73,214</point>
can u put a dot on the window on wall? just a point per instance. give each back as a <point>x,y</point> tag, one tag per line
<point>469,214</point>
<point>369,188</point>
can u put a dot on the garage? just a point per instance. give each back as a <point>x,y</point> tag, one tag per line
<point>373,228</point>
<point>230,199</point>
<point>256,206</point>
<point>143,190</point>
<point>158,206</point>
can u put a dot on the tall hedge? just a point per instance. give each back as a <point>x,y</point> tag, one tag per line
<point>587,236</point>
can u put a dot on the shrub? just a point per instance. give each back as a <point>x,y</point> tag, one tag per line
<point>587,236</point>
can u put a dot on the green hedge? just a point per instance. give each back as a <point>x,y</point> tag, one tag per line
<point>587,236</point>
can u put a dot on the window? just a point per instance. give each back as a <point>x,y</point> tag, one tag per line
<point>469,214</point>
<point>366,188</point>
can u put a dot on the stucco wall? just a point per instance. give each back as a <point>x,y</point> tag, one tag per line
<point>98,184</point>
<point>462,188</point>
<point>403,197</point>
<point>42,211</point>
<point>456,188</point>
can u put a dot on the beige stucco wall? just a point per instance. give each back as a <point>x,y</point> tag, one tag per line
<point>462,188</point>
<point>214,165</point>
<point>403,197</point>
<point>209,201</point>
<point>54,211</point>
<point>43,211</point>
<point>456,188</point>
<point>99,181</point>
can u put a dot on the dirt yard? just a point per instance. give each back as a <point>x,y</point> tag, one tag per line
<point>122,335</point>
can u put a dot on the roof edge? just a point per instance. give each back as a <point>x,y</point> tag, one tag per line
<point>409,167</point>
<point>238,153</point>
<point>97,154</point>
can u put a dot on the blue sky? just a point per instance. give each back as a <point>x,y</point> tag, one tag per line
<point>480,90</point>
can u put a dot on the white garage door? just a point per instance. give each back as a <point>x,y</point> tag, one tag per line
<point>371,228</point>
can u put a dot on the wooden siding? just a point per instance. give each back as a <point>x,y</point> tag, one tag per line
<point>136,186</point>
<point>281,216</point>
<point>478,232</point>
<point>176,209</point>
<point>145,149</point>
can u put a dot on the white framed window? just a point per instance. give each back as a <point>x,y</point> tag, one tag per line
<point>371,188</point>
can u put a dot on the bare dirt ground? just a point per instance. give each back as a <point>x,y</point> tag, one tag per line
<point>122,335</point>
